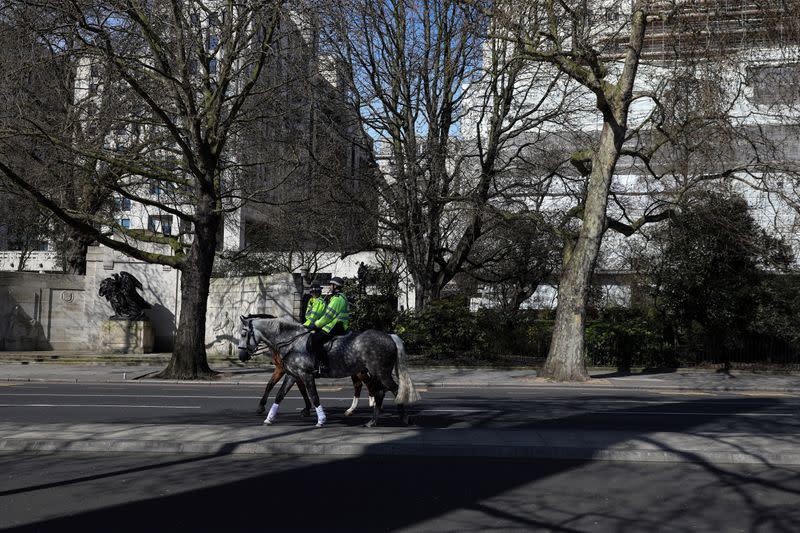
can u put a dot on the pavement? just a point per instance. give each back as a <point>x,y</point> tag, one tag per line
<point>729,447</point>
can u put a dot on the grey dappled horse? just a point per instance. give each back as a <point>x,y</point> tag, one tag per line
<point>358,381</point>
<point>379,353</point>
<point>279,372</point>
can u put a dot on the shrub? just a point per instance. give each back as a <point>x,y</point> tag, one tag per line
<point>370,311</point>
<point>444,328</point>
<point>624,338</point>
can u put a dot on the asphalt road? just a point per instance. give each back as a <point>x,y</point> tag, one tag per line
<point>243,493</point>
<point>220,492</point>
<point>441,407</point>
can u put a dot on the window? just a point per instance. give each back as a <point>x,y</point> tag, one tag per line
<point>213,43</point>
<point>160,224</point>
<point>775,84</point>
<point>94,71</point>
<point>212,66</point>
<point>184,226</point>
<point>122,204</point>
<point>156,187</point>
<point>92,88</point>
<point>124,223</point>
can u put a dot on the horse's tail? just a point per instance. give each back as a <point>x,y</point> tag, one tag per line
<point>406,392</point>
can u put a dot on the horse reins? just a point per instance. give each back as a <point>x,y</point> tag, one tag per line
<point>274,347</point>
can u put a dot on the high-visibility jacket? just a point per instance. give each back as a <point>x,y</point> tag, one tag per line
<point>336,312</point>
<point>315,309</point>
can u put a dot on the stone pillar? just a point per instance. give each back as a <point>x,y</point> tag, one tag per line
<point>126,336</point>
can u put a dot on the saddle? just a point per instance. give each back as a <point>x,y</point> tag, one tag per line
<point>326,348</point>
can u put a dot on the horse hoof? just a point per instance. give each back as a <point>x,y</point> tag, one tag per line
<point>268,422</point>
<point>305,413</point>
<point>348,412</point>
<point>371,424</point>
<point>261,410</point>
<point>320,424</point>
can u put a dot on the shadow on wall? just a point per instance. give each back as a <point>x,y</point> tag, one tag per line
<point>224,335</point>
<point>163,322</point>
<point>18,330</point>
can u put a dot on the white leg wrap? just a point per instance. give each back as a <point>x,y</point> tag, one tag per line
<point>321,418</point>
<point>352,406</point>
<point>371,401</point>
<point>273,412</point>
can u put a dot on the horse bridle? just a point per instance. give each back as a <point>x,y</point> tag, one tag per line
<point>274,347</point>
<point>251,335</point>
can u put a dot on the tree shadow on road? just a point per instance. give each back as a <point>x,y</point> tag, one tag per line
<point>451,492</point>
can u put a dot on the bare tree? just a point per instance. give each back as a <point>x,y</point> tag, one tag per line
<point>444,105</point>
<point>607,50</point>
<point>178,76</point>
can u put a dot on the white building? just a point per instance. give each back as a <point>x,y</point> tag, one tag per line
<point>743,60</point>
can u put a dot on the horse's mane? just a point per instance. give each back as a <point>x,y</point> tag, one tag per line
<point>287,323</point>
<point>284,322</point>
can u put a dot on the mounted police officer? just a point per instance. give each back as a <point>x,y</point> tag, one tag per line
<point>334,321</point>
<point>316,304</point>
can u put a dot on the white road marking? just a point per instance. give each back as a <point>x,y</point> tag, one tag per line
<point>99,405</point>
<point>648,413</point>
<point>689,413</point>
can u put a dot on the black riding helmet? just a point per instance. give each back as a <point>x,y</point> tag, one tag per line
<point>337,281</point>
<point>316,287</point>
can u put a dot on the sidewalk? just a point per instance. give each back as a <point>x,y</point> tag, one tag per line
<point>681,379</point>
<point>697,446</point>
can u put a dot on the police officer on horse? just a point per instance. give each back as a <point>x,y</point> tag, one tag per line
<point>315,307</point>
<point>335,320</point>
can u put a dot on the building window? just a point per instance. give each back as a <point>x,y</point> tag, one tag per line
<point>124,223</point>
<point>212,66</point>
<point>775,84</point>
<point>156,187</point>
<point>160,224</point>
<point>122,204</point>
<point>94,71</point>
<point>184,226</point>
<point>92,88</point>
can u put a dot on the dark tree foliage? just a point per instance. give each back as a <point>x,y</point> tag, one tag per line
<point>712,265</point>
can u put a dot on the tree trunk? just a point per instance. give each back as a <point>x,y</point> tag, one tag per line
<point>189,359</point>
<point>421,295</point>
<point>565,360</point>
<point>76,246</point>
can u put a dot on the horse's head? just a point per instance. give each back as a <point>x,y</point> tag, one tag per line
<point>247,341</point>
<point>250,337</point>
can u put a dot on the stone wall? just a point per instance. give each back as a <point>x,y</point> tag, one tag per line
<point>42,311</point>
<point>65,312</point>
<point>231,297</point>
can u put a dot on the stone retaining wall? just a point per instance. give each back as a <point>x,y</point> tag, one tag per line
<point>65,312</point>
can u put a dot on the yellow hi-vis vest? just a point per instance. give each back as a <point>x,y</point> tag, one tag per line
<point>314,310</point>
<point>337,311</point>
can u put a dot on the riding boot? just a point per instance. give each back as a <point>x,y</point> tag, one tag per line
<point>322,366</point>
